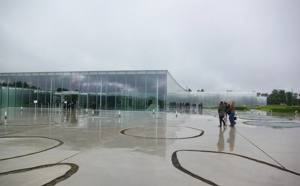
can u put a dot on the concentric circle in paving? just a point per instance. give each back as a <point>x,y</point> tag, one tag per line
<point>20,146</point>
<point>163,132</point>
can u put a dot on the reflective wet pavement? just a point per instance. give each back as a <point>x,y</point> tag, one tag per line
<point>142,148</point>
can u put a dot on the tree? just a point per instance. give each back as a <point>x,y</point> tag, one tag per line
<point>280,96</point>
<point>273,98</point>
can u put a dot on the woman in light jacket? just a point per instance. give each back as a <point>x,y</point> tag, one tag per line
<point>232,112</point>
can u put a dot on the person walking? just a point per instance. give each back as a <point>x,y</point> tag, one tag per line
<point>232,112</point>
<point>221,111</point>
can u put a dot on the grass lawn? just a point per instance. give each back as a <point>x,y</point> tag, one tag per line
<point>278,108</point>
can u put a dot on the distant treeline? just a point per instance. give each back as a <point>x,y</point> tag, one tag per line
<point>281,97</point>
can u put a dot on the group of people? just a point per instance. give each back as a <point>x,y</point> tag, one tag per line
<point>174,105</point>
<point>224,110</point>
<point>69,105</point>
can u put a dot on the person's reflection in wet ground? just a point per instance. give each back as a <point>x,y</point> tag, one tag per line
<point>221,143</point>
<point>231,138</point>
<point>74,118</point>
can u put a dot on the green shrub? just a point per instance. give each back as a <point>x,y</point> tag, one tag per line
<point>278,108</point>
<point>242,108</point>
<point>287,109</point>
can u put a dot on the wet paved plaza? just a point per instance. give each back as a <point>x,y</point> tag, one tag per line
<point>141,148</point>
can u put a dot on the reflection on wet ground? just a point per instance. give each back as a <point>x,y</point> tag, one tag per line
<point>230,140</point>
<point>268,116</point>
<point>259,118</point>
<point>274,124</point>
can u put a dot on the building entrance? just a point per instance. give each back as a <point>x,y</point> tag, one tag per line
<point>71,99</point>
<point>62,99</point>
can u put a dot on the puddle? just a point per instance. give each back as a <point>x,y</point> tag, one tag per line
<point>274,124</point>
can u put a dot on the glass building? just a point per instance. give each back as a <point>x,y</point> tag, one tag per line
<point>108,90</point>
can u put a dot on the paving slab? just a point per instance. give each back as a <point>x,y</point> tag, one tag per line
<point>142,148</point>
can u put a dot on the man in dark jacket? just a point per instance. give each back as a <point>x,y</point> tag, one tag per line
<point>221,112</point>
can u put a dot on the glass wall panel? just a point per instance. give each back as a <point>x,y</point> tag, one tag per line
<point>34,87</point>
<point>84,90</point>
<point>11,90</point>
<point>120,92</point>
<point>3,80</point>
<point>75,83</point>
<point>48,90</point>
<point>162,90</point>
<point>19,80</point>
<point>57,89</point>
<point>42,89</point>
<point>111,84</point>
<point>4,85</point>
<point>84,78</point>
<point>27,90</point>
<point>19,89</point>
<point>141,91</point>
<point>12,97</point>
<point>102,90</point>
<point>57,82</point>
<point>11,80</point>
<point>130,91</point>
<point>75,87</point>
<point>4,96</point>
<point>66,87</point>
<point>66,81</point>
<point>151,88</point>
<point>93,90</point>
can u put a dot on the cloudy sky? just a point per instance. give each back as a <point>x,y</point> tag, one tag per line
<point>215,45</point>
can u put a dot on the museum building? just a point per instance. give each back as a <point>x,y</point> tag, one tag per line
<point>108,90</point>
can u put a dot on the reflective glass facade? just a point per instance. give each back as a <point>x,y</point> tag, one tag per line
<point>112,90</point>
<point>108,90</point>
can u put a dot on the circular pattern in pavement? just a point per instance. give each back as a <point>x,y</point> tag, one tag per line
<point>44,146</point>
<point>73,169</point>
<point>176,164</point>
<point>21,150</point>
<point>163,132</point>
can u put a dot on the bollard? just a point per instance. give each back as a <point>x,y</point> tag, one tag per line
<point>21,109</point>
<point>119,113</point>
<point>176,113</point>
<point>93,113</point>
<point>5,115</point>
<point>153,111</point>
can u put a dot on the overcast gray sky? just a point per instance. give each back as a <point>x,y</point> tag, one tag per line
<point>215,45</point>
